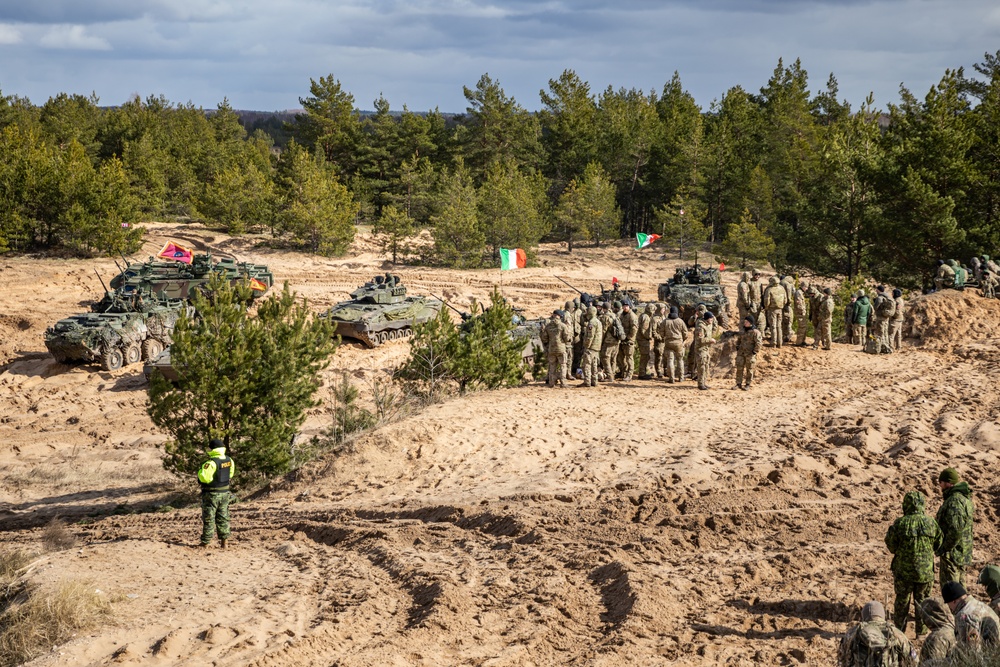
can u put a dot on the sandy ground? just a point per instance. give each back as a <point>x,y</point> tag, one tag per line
<point>639,524</point>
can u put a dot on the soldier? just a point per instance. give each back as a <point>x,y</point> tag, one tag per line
<point>704,340</point>
<point>862,313</point>
<point>580,315</point>
<point>593,335</point>
<point>912,539</point>
<point>743,296</point>
<point>568,320</point>
<point>214,477</point>
<point>874,632</point>
<point>989,577</point>
<point>555,336</point>
<point>692,324</point>
<point>826,308</point>
<point>945,276</point>
<point>988,286</point>
<point>800,304</point>
<point>673,333</point>
<point>955,519</point>
<point>658,357</point>
<point>991,265</point>
<point>787,316</point>
<point>612,327</point>
<point>937,616</point>
<point>977,268</point>
<point>849,319</point>
<point>884,308</point>
<point>774,304</point>
<point>756,295</point>
<point>644,339</point>
<point>976,625</point>
<point>750,342</point>
<point>630,323</point>
<point>896,321</point>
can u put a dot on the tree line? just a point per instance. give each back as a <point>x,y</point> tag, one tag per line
<point>798,179</point>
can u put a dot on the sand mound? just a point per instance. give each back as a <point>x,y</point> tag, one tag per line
<point>950,318</point>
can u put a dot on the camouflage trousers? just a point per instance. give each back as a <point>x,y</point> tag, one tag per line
<point>744,311</point>
<point>744,368</point>
<point>882,332</point>
<point>590,362</point>
<point>609,361</point>
<point>860,334</point>
<point>949,570</point>
<point>645,355</point>
<point>626,356</point>
<point>825,338</point>
<point>801,330</point>
<point>215,515</point>
<point>774,324</point>
<point>673,365</point>
<point>918,591</point>
<point>896,334</point>
<point>568,363</point>
<point>557,371</point>
<point>659,358</point>
<point>704,360</point>
<point>786,325</point>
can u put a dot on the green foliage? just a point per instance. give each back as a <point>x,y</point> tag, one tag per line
<point>512,209</point>
<point>240,197</point>
<point>392,229</point>
<point>348,416</point>
<point>746,243</point>
<point>587,208</point>
<point>682,224</point>
<point>497,130</point>
<point>246,380</point>
<point>458,238</point>
<point>482,355</point>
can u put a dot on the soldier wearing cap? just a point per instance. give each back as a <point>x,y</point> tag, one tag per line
<point>955,519</point>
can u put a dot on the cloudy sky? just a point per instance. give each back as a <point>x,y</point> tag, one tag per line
<point>261,54</point>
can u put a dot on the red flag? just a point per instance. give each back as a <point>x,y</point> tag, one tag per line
<point>614,281</point>
<point>722,266</point>
<point>175,252</point>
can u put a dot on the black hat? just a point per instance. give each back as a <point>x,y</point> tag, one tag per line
<point>708,315</point>
<point>896,293</point>
<point>952,591</point>
<point>215,443</point>
<point>749,318</point>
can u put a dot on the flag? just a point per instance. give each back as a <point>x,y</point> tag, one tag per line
<point>722,266</point>
<point>175,252</point>
<point>512,258</point>
<point>257,285</point>
<point>614,281</point>
<point>643,240</point>
<point>125,225</point>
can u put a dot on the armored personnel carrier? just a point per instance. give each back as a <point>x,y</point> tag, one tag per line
<point>693,285</point>
<point>380,311</point>
<point>175,280</point>
<point>120,330</point>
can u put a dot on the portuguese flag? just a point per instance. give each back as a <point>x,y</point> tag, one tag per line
<point>643,240</point>
<point>512,258</point>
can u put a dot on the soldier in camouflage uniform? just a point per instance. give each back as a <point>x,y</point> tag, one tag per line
<point>757,298</point>
<point>626,351</point>
<point>988,287</point>
<point>945,276</point>
<point>896,321</point>
<point>644,340</point>
<point>939,643</point>
<point>976,625</point>
<point>658,349</point>
<point>850,651</point>
<point>743,295</point>
<point>750,342</point>
<point>692,355</point>
<point>568,320</point>
<point>955,519</point>
<point>609,346</point>
<point>912,539</point>
<point>593,335</point>
<point>673,332</point>
<point>704,340</point>
<point>883,308</point>
<point>826,308</point>
<point>787,315</point>
<point>774,305</point>
<point>800,306</point>
<point>989,577</point>
<point>555,337</point>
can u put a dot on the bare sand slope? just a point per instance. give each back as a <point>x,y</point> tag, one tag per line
<point>634,524</point>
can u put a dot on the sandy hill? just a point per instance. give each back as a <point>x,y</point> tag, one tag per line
<point>630,524</point>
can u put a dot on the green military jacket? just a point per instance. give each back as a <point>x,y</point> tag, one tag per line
<point>955,519</point>
<point>912,540</point>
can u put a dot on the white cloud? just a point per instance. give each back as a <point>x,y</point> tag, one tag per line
<point>73,37</point>
<point>9,34</point>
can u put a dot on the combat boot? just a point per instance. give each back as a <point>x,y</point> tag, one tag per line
<point>222,544</point>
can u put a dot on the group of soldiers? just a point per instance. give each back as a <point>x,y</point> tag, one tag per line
<point>601,339</point>
<point>784,310</point>
<point>983,270</point>
<point>876,323</point>
<point>954,625</point>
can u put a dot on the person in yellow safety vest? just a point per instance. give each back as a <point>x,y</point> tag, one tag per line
<point>214,476</point>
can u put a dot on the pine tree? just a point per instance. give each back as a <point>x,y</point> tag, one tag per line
<point>246,380</point>
<point>682,223</point>
<point>746,242</point>
<point>458,238</point>
<point>392,229</point>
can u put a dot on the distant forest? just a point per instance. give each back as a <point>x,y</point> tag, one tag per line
<point>781,175</point>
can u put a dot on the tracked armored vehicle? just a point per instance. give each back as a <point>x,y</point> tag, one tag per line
<point>119,331</point>
<point>693,285</point>
<point>380,311</point>
<point>175,280</point>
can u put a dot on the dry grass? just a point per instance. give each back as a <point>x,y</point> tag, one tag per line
<point>35,618</point>
<point>57,536</point>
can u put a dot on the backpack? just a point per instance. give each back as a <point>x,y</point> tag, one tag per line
<point>618,331</point>
<point>885,307</point>
<point>874,646</point>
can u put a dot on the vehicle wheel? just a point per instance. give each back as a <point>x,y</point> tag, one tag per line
<point>407,332</point>
<point>111,359</point>
<point>392,334</point>
<point>383,336</point>
<point>151,349</point>
<point>132,354</point>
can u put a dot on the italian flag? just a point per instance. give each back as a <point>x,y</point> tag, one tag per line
<point>643,240</point>
<point>512,258</point>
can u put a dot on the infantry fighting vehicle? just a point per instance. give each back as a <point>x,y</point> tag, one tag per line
<point>380,311</point>
<point>120,330</point>
<point>175,280</point>
<point>693,285</point>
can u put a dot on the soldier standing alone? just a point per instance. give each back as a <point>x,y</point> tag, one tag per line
<point>214,476</point>
<point>896,321</point>
<point>751,340</point>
